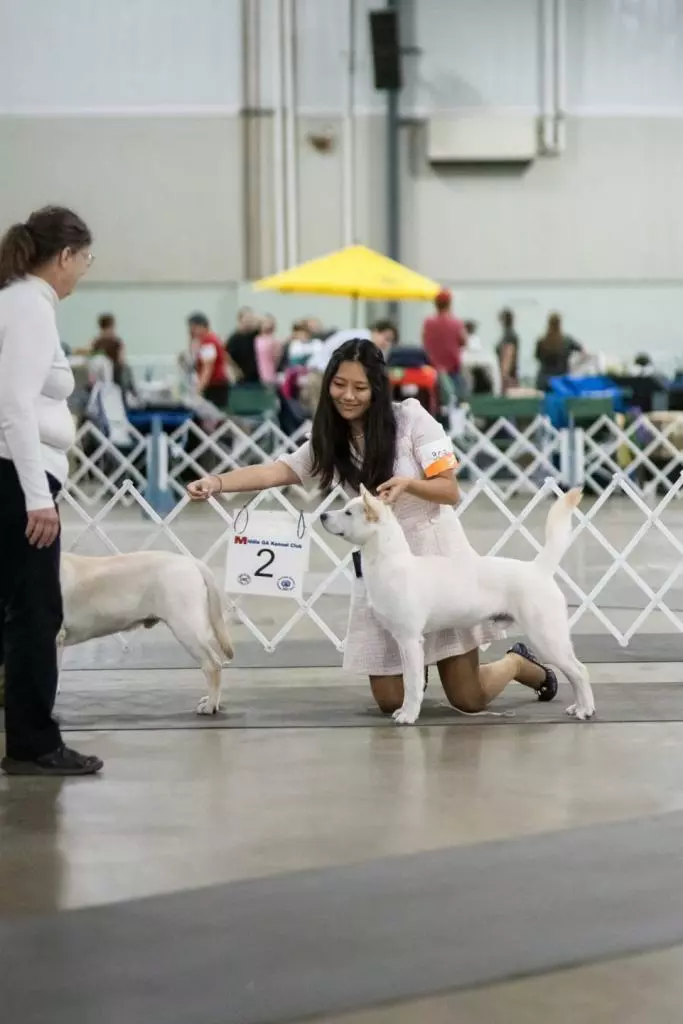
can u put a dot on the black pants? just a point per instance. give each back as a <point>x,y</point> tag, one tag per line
<point>30,619</point>
<point>217,394</point>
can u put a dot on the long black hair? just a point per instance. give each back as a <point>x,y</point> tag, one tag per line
<point>331,435</point>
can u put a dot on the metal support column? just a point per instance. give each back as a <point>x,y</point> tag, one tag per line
<point>393,172</point>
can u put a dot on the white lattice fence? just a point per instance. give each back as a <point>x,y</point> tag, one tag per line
<point>513,462</point>
<point>588,599</point>
<point>647,453</point>
<point>510,460</point>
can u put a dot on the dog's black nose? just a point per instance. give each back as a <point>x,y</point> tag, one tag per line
<point>323,517</point>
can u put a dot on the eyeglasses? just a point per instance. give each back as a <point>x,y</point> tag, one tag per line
<point>89,258</point>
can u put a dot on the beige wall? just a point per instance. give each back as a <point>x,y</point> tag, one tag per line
<point>163,194</point>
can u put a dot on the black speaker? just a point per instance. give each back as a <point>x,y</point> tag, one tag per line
<point>386,49</point>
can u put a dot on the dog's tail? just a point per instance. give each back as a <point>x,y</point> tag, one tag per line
<point>558,528</point>
<point>217,611</point>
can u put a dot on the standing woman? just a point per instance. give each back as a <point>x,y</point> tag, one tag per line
<point>507,351</point>
<point>554,353</point>
<point>40,262</point>
<point>400,451</point>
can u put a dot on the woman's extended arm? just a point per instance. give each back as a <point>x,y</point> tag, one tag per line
<point>251,478</point>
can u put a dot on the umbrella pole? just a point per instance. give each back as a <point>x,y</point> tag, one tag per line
<point>354,310</point>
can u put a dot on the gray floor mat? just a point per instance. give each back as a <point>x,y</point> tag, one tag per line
<point>289,947</point>
<point>159,650</point>
<point>143,703</point>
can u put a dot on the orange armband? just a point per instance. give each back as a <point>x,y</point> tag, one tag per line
<point>437,457</point>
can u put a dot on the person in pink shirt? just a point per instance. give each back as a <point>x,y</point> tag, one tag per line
<point>268,351</point>
<point>443,339</point>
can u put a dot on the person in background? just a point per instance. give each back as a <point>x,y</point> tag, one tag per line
<point>316,327</point>
<point>108,365</point>
<point>443,339</point>
<point>554,352</point>
<point>643,366</point>
<point>209,361</point>
<point>507,351</point>
<point>301,345</point>
<point>241,347</point>
<point>318,330</point>
<point>479,367</point>
<point>107,333</point>
<point>473,340</point>
<point>268,351</point>
<point>41,262</point>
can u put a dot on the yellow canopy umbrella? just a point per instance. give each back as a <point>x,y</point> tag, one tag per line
<point>355,271</point>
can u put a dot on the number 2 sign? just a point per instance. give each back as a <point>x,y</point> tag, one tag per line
<point>269,556</point>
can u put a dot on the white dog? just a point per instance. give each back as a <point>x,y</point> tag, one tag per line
<point>121,592</point>
<point>412,595</point>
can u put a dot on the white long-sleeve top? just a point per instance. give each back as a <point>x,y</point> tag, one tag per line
<point>36,428</point>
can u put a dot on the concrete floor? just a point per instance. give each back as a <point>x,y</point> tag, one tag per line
<point>183,809</point>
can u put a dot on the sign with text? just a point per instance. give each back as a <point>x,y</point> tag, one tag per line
<point>268,555</point>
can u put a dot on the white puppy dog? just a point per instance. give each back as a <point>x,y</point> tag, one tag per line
<point>412,595</point>
<point>121,592</point>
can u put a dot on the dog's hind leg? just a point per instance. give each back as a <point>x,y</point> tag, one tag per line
<point>195,634</point>
<point>550,637</point>
<point>412,661</point>
<point>210,704</point>
<point>577,674</point>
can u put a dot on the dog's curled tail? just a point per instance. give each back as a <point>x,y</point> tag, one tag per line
<point>217,611</point>
<point>558,528</point>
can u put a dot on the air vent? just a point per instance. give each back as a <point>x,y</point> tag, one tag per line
<point>481,139</point>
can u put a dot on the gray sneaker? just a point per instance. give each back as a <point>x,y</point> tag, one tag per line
<point>63,761</point>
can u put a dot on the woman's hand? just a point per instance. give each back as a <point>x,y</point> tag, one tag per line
<point>42,527</point>
<point>392,490</point>
<point>202,489</point>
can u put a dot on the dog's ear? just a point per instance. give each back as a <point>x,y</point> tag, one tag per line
<point>371,506</point>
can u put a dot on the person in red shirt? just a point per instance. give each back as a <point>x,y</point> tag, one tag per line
<point>210,361</point>
<point>443,339</point>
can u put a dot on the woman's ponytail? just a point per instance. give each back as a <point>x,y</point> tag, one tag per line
<point>17,254</point>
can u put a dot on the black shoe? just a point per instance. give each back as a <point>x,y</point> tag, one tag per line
<point>62,761</point>
<point>548,688</point>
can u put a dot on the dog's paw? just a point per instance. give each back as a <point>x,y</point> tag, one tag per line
<point>207,706</point>
<point>583,714</point>
<point>407,714</point>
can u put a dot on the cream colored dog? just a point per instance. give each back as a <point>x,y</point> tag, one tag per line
<point>122,592</point>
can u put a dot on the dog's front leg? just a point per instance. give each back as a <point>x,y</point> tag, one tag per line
<point>412,660</point>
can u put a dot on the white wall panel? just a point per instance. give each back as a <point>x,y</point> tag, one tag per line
<point>625,56</point>
<point>163,195</point>
<point>75,56</point>
<point>476,54</point>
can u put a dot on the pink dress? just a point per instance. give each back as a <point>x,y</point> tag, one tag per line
<point>430,529</point>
